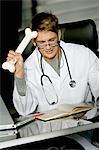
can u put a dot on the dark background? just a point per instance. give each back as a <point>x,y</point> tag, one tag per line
<point>10,23</point>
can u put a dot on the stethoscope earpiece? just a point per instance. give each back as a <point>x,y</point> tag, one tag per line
<point>72,83</point>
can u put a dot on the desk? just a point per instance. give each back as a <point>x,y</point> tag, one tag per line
<point>46,134</point>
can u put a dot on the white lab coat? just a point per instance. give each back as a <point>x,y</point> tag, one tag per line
<point>84,68</point>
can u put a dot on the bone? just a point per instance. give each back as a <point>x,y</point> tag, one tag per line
<point>10,65</point>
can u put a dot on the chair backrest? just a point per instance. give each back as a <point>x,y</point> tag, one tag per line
<point>81,32</point>
<point>30,47</point>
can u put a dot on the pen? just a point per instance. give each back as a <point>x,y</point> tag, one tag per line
<point>38,114</point>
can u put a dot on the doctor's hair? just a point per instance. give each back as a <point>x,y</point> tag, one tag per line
<point>44,21</point>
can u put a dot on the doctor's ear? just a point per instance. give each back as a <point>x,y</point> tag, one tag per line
<point>33,41</point>
<point>59,35</point>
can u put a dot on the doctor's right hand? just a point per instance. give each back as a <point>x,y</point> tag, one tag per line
<point>19,65</point>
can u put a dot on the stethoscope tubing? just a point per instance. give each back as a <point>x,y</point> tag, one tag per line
<point>67,64</point>
<point>72,82</point>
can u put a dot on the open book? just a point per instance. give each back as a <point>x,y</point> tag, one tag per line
<point>65,110</point>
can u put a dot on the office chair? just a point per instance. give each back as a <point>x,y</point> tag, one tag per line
<point>81,32</point>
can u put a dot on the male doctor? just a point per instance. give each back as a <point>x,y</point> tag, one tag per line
<point>55,73</point>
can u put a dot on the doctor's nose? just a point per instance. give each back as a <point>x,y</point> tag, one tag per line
<point>48,46</point>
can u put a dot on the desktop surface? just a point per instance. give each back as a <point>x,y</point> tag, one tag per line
<point>32,132</point>
<point>36,131</point>
<point>58,143</point>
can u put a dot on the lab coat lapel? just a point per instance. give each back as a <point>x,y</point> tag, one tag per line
<point>52,74</point>
<point>48,70</point>
<point>63,68</point>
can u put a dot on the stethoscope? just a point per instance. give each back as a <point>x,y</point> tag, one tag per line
<point>72,82</point>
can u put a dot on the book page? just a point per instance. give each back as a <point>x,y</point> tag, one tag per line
<point>65,110</point>
<point>71,108</point>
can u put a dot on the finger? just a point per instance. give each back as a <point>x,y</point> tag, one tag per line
<point>11,55</point>
<point>12,52</point>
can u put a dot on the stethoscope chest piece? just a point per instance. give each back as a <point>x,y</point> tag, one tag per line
<point>72,83</point>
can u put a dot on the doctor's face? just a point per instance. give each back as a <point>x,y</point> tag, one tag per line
<point>47,43</point>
